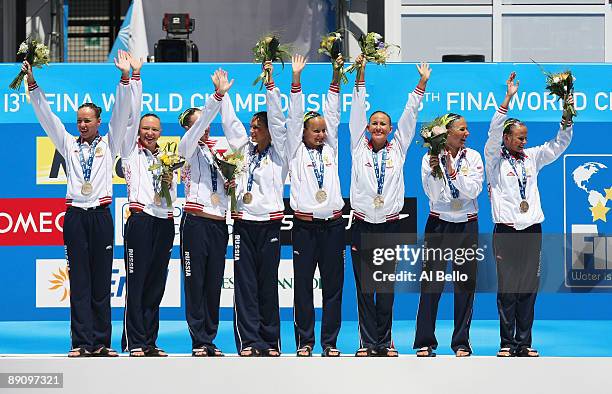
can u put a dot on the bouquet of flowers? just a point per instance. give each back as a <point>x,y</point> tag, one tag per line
<point>434,136</point>
<point>561,85</point>
<point>36,53</point>
<point>331,45</point>
<point>230,166</point>
<point>167,162</point>
<point>269,49</point>
<point>374,50</point>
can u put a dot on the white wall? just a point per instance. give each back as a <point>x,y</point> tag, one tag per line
<point>501,30</point>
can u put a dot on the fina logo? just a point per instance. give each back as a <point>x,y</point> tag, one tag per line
<point>588,190</point>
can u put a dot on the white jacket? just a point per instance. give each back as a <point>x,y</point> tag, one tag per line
<point>364,185</point>
<point>502,181</point>
<point>468,181</point>
<point>101,177</point>
<point>269,177</point>
<point>304,184</point>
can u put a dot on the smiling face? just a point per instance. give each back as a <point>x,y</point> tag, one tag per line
<point>149,132</point>
<point>516,139</point>
<point>87,123</point>
<point>379,128</point>
<point>457,134</point>
<point>315,132</point>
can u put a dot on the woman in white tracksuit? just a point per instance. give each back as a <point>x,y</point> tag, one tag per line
<point>88,224</point>
<point>377,197</point>
<point>257,222</point>
<point>318,229</point>
<point>452,223</point>
<point>204,233</point>
<point>512,174</point>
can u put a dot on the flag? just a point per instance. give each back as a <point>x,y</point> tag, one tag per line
<point>133,35</point>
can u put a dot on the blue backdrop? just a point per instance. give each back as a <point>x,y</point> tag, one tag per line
<point>568,187</point>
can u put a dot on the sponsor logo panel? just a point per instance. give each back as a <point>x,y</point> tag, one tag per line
<point>588,234</point>
<point>285,285</point>
<point>32,221</point>
<point>53,284</point>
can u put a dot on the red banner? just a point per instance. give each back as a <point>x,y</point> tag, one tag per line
<point>32,221</point>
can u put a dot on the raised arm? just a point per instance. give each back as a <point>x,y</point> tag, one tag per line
<point>276,118</point>
<point>358,120</point>
<point>496,129</point>
<point>117,126</point>
<point>189,142</point>
<point>234,130</point>
<point>52,125</point>
<point>331,109</point>
<point>131,134</point>
<point>551,150</point>
<point>407,123</point>
<point>295,122</point>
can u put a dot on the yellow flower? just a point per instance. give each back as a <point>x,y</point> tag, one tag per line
<point>165,160</point>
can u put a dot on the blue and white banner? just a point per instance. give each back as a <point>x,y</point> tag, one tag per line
<point>473,90</point>
<point>132,35</point>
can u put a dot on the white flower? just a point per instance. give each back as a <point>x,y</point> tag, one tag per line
<point>426,133</point>
<point>556,79</point>
<point>438,130</point>
<point>23,48</point>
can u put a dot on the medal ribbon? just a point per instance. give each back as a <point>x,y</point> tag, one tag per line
<point>213,178</point>
<point>254,164</point>
<point>380,175</point>
<point>213,171</point>
<point>319,172</point>
<point>156,174</point>
<point>92,152</point>
<point>453,189</point>
<point>522,184</point>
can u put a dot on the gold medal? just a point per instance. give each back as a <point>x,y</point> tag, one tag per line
<point>524,206</point>
<point>321,195</point>
<point>247,198</point>
<point>86,189</point>
<point>215,199</point>
<point>157,199</point>
<point>379,201</point>
<point>456,205</point>
<point>99,151</point>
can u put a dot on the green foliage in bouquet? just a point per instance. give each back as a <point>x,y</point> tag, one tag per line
<point>230,166</point>
<point>167,161</point>
<point>36,53</point>
<point>560,85</point>
<point>331,45</point>
<point>434,136</point>
<point>266,49</point>
<point>374,49</point>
